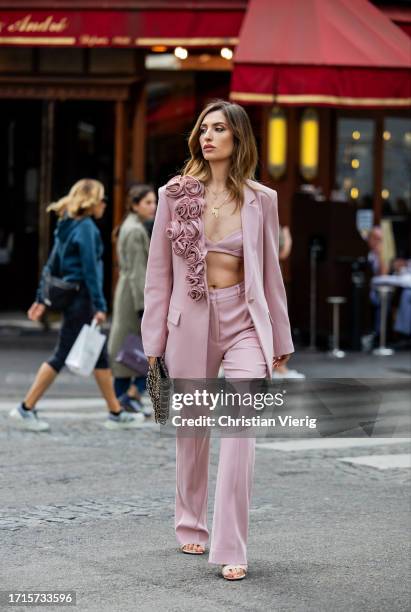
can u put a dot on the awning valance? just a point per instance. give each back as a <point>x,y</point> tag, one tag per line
<point>343,53</point>
<point>143,28</point>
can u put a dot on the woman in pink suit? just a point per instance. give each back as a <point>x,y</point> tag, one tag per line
<point>214,295</point>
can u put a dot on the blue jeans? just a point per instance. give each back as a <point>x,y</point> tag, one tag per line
<point>122,385</point>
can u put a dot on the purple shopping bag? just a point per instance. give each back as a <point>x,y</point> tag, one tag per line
<point>132,355</point>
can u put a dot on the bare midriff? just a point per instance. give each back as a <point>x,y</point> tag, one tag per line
<point>224,270</point>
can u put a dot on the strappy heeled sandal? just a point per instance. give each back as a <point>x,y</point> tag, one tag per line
<point>225,569</point>
<point>186,551</point>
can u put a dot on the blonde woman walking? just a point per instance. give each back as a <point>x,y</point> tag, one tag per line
<point>77,255</point>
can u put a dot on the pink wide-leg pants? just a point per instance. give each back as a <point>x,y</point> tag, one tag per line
<point>233,341</point>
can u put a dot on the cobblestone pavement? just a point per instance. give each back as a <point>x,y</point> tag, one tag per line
<point>90,510</point>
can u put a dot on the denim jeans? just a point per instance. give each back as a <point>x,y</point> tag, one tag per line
<point>122,385</point>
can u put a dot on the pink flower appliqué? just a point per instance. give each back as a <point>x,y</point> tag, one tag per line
<point>185,230</point>
<point>197,293</point>
<point>191,230</point>
<point>193,187</point>
<point>195,275</point>
<point>175,230</point>
<point>193,254</point>
<point>180,246</point>
<point>181,209</point>
<point>174,187</point>
<point>188,185</point>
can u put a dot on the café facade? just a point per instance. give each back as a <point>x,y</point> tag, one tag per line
<point>111,90</point>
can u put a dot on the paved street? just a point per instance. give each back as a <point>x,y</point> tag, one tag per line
<point>90,510</point>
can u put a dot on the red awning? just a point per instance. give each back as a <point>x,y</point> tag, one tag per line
<point>189,28</point>
<point>400,16</point>
<point>341,53</point>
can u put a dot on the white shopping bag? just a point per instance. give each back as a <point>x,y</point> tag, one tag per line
<point>86,350</point>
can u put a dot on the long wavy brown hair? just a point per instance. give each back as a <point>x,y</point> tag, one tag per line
<point>244,157</point>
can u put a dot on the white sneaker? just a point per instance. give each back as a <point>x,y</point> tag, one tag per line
<point>289,374</point>
<point>125,420</point>
<point>28,419</point>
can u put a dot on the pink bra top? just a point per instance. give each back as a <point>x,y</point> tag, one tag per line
<point>231,244</point>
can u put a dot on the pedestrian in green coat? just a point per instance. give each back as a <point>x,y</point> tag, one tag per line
<point>132,253</point>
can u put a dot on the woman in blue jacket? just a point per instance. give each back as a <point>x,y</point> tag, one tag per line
<point>76,257</point>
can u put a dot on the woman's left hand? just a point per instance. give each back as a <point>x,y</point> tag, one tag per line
<point>280,361</point>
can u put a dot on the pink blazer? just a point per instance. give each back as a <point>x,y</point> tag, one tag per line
<point>175,325</point>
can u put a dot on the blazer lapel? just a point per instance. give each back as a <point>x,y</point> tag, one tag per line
<point>250,221</point>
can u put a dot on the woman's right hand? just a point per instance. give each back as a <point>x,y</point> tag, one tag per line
<point>36,311</point>
<point>151,361</point>
<point>100,317</point>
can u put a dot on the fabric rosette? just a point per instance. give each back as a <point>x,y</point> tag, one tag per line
<point>180,246</point>
<point>188,208</point>
<point>197,293</point>
<point>181,209</point>
<point>175,187</point>
<point>191,230</point>
<point>192,186</point>
<point>175,230</point>
<point>184,185</point>
<point>195,208</point>
<point>193,254</point>
<point>185,230</point>
<point>195,275</point>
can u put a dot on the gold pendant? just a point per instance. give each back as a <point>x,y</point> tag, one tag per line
<point>214,211</point>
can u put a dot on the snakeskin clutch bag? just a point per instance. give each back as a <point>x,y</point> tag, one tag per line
<point>158,386</point>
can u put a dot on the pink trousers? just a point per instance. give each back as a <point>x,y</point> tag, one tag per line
<point>233,342</point>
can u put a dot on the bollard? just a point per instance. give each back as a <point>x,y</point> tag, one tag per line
<point>336,301</point>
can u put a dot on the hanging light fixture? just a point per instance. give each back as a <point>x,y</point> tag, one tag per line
<point>277,142</point>
<point>309,144</point>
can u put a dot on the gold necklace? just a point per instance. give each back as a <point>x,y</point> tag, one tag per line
<point>215,209</point>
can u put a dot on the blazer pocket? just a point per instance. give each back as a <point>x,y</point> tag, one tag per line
<point>173,315</point>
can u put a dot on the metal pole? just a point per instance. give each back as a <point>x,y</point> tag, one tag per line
<point>382,350</point>
<point>313,295</point>
<point>336,321</point>
<point>336,302</point>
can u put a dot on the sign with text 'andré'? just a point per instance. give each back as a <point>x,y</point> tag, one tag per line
<point>68,29</point>
<point>118,28</point>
